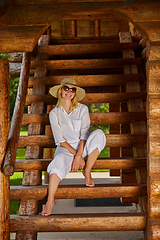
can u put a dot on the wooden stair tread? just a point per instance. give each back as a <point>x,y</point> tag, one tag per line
<point>88,80</point>
<point>90,98</point>
<point>96,118</point>
<point>101,163</point>
<point>80,222</point>
<point>79,191</point>
<point>85,63</point>
<point>113,140</point>
<point>87,48</point>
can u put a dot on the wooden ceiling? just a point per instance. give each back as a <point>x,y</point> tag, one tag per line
<point>23,22</point>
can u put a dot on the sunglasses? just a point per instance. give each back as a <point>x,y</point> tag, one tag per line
<point>66,89</point>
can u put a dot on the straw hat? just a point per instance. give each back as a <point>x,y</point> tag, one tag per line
<point>68,81</point>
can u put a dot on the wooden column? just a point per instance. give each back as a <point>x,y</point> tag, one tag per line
<point>34,177</point>
<point>74,28</point>
<point>4,130</point>
<point>135,106</point>
<point>114,129</point>
<point>48,152</point>
<point>153,113</point>
<point>97,28</point>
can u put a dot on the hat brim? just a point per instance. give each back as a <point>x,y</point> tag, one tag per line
<point>80,92</point>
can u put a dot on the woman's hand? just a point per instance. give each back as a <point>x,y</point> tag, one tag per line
<point>78,163</point>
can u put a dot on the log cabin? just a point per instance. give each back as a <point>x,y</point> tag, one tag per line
<point>112,49</point>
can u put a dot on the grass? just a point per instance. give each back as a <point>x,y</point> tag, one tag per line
<point>16,179</point>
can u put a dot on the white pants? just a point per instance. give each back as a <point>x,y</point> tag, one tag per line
<point>62,162</point>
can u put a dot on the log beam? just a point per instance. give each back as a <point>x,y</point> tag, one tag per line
<point>83,222</point>
<point>80,191</point>
<point>90,98</point>
<point>76,49</point>
<point>101,163</point>
<point>114,140</point>
<point>96,118</point>
<point>85,63</point>
<point>88,80</point>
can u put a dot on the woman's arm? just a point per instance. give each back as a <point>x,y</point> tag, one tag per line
<point>68,147</point>
<point>79,162</point>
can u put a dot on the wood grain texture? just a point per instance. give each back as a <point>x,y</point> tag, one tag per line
<point>82,222</point>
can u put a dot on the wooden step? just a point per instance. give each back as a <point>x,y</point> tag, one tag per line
<point>113,140</point>
<point>86,63</point>
<point>94,48</point>
<point>96,118</point>
<point>90,98</point>
<point>80,222</point>
<point>79,191</point>
<point>88,80</point>
<point>83,40</point>
<point>101,163</point>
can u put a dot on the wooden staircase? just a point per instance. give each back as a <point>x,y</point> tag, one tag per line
<point>99,66</point>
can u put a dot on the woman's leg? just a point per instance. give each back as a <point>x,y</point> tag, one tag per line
<point>54,181</point>
<point>89,164</point>
<point>94,145</point>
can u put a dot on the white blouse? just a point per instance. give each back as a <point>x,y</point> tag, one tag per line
<point>70,127</point>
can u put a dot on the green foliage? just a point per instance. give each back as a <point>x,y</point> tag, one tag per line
<point>13,86</point>
<point>15,180</point>
<point>104,107</point>
<point>4,55</point>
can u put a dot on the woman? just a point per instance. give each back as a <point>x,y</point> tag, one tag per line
<point>76,147</point>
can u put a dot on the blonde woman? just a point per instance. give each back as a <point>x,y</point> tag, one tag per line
<point>76,147</point>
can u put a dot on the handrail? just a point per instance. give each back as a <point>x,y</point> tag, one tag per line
<point>10,156</point>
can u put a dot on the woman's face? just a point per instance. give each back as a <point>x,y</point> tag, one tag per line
<point>68,92</point>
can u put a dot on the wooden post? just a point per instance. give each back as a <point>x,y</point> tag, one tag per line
<point>97,28</point>
<point>136,127</point>
<point>48,152</point>
<point>10,156</point>
<point>74,28</point>
<point>4,130</point>
<point>34,151</point>
<point>114,129</point>
<point>153,113</point>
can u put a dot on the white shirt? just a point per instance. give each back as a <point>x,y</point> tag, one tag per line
<point>70,127</point>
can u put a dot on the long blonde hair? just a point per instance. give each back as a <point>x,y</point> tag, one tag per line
<point>74,101</point>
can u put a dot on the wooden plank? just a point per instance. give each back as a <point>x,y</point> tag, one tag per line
<point>88,80</point>
<point>4,131</point>
<point>91,16</point>
<point>85,63</point>
<point>114,140</point>
<point>101,163</point>
<point>153,106</point>
<point>79,191</point>
<point>154,51</point>
<point>86,48</point>
<point>96,118</point>
<point>114,129</point>
<point>154,232</point>
<point>150,30</point>
<point>89,98</point>
<point>18,2</point>
<point>25,40</point>
<point>83,40</point>
<point>154,182</point>
<point>10,156</point>
<point>81,222</point>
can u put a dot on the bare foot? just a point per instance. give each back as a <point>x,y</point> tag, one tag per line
<point>47,209</point>
<point>89,180</point>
